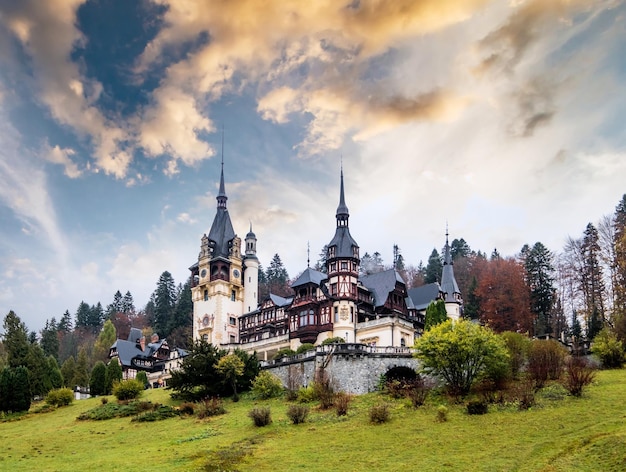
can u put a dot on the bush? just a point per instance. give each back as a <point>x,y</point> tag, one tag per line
<point>284,352</point>
<point>477,407</point>
<point>306,394</point>
<point>143,378</point>
<point>305,347</point>
<point>127,389</point>
<point>266,385</point>
<point>261,416</point>
<point>298,413</point>
<point>335,340</point>
<point>60,397</point>
<point>187,408</point>
<point>442,413</point>
<point>525,393</point>
<point>323,390</point>
<point>213,406</point>
<point>104,400</point>
<point>379,413</point>
<point>518,345</point>
<point>608,349</point>
<point>578,374</point>
<point>342,402</point>
<point>545,361</point>
<point>160,412</point>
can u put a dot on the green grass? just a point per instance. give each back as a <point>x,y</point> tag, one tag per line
<point>561,433</point>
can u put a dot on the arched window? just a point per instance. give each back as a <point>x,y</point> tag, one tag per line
<point>206,295</point>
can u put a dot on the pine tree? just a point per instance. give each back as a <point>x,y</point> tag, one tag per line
<point>164,303</point>
<point>65,325</point>
<point>116,306</point>
<point>68,369</point>
<point>459,248</point>
<point>81,372</point>
<point>435,314</point>
<point>592,282</point>
<point>320,265</point>
<point>103,343</point>
<point>128,305</point>
<point>277,277</point>
<point>540,279</point>
<point>97,381</point>
<point>38,375</point>
<point>50,338</point>
<point>54,373</point>
<point>15,340</point>
<point>433,268</point>
<point>619,264</point>
<point>83,313</point>
<point>113,374</point>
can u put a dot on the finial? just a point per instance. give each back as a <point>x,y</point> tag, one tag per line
<point>308,254</point>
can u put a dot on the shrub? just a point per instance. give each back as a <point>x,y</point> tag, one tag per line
<point>304,348</point>
<point>525,393</point>
<point>187,408</point>
<point>127,389</point>
<point>284,352</point>
<point>608,349</point>
<point>97,381</point>
<point>306,394</point>
<point>418,390</point>
<point>342,402</point>
<point>518,345</point>
<point>380,413</point>
<point>323,389</point>
<point>266,385</point>
<point>104,400</point>
<point>261,416</point>
<point>578,374</point>
<point>477,407</point>
<point>298,413</point>
<point>60,397</point>
<point>442,413</point>
<point>143,378</point>
<point>161,412</point>
<point>335,340</point>
<point>545,361</point>
<point>213,406</point>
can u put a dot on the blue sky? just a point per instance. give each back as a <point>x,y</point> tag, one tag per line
<point>504,120</point>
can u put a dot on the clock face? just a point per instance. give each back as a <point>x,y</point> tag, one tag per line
<point>203,273</point>
<point>205,321</point>
<point>236,273</point>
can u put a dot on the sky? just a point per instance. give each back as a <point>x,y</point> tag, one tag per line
<point>500,120</point>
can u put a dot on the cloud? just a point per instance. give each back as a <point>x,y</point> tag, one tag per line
<point>186,218</point>
<point>63,156</point>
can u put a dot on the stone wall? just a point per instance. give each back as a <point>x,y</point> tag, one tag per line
<point>352,368</point>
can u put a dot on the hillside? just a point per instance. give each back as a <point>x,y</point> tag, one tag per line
<point>560,433</point>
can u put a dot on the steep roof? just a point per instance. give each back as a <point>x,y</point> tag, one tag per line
<point>448,282</point>
<point>381,284</point>
<point>280,301</point>
<point>342,240</point>
<point>422,296</point>
<point>222,232</point>
<point>309,276</point>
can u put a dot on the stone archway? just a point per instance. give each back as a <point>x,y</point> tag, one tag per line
<point>401,373</point>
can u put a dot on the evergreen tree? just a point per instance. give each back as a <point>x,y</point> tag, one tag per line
<point>164,303</point>
<point>113,374</point>
<point>97,381</point>
<point>277,277</point>
<point>96,317</point>
<point>128,305</point>
<point>472,306</point>
<point>320,265</point>
<point>83,314</point>
<point>103,344</point>
<point>398,260</point>
<point>50,338</point>
<point>433,268</point>
<point>15,393</point>
<point>81,372</point>
<point>116,306</point>
<point>495,255</point>
<point>65,325</point>
<point>68,369</point>
<point>592,282</point>
<point>15,340</point>
<point>459,249</point>
<point>435,314</point>
<point>540,279</point>
<point>38,374</point>
<point>619,264</point>
<point>54,373</point>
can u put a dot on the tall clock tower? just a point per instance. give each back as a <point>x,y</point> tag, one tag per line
<point>218,292</point>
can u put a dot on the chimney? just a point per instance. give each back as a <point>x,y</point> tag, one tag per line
<point>142,343</point>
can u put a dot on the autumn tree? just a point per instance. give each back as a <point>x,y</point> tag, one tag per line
<point>504,297</point>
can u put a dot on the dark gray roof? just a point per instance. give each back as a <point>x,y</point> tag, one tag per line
<point>422,296</point>
<point>381,284</point>
<point>309,276</point>
<point>448,282</point>
<point>280,301</point>
<point>222,233</point>
<point>344,242</point>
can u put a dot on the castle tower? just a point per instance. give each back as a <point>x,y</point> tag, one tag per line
<point>251,274</point>
<point>218,291</point>
<point>342,267</point>
<point>453,299</point>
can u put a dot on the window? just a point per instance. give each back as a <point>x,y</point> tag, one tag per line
<point>232,338</point>
<point>402,342</point>
<point>344,265</point>
<point>232,295</point>
<point>336,314</point>
<point>333,289</point>
<point>333,267</point>
<point>232,320</point>
<point>206,295</point>
<point>205,337</point>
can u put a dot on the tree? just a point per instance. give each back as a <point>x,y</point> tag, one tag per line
<point>15,340</point>
<point>116,306</point>
<point>81,371</point>
<point>371,264</point>
<point>435,314</point>
<point>458,352</point>
<point>592,282</point>
<point>459,249</point>
<point>15,393</point>
<point>97,381</point>
<point>164,298</point>
<point>619,264</point>
<point>54,373</point>
<point>182,316</point>
<point>504,297</point>
<point>83,314</point>
<point>50,339</point>
<point>231,368</point>
<point>197,377</point>
<point>540,280</point>
<point>277,277</point>
<point>433,268</point>
<point>472,307</point>
<point>67,371</point>
<point>320,265</point>
<point>113,374</point>
<point>65,325</point>
<point>128,305</point>
<point>103,343</point>
<point>38,372</point>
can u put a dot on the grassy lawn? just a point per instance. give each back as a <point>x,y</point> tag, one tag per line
<point>561,433</point>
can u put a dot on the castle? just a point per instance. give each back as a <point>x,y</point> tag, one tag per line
<point>375,309</point>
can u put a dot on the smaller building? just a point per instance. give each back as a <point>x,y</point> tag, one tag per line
<point>134,355</point>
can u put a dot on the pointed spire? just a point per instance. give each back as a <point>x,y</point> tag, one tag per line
<point>447,258</point>
<point>342,210</point>
<point>308,254</point>
<point>221,196</point>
